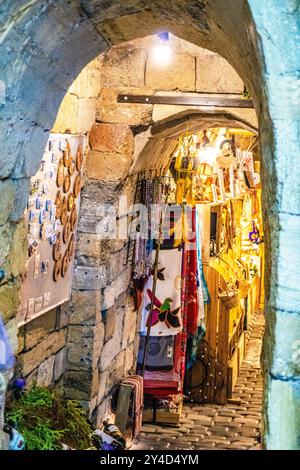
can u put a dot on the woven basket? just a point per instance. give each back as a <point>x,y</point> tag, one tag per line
<point>230,298</point>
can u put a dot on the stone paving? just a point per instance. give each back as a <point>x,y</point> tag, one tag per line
<point>235,425</point>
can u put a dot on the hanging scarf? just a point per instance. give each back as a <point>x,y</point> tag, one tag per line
<point>202,281</point>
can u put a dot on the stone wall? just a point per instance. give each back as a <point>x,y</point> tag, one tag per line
<point>41,58</point>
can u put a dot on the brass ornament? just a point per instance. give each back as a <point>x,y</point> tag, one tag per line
<point>57,268</point>
<point>57,247</point>
<point>58,205</point>
<point>71,167</point>
<point>67,157</point>
<point>60,173</point>
<point>79,157</point>
<point>73,218</point>
<point>64,211</point>
<point>67,183</point>
<point>66,231</point>
<point>77,185</point>
<point>70,201</point>
<point>65,264</point>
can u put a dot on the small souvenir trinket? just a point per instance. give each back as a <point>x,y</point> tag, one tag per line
<point>60,173</point>
<point>71,247</point>
<point>77,185</point>
<point>43,232</point>
<point>31,215</point>
<point>45,188</point>
<point>33,248</point>
<point>54,158</point>
<point>57,268</point>
<point>67,231</point>
<point>70,201</point>
<point>71,167</point>
<point>52,215</point>
<point>57,224</point>
<point>65,264</point>
<point>57,247</point>
<point>48,205</point>
<point>67,154</point>
<point>53,238</point>
<point>39,203</point>
<point>64,215</point>
<point>38,304</point>
<point>67,183</point>
<point>73,218</point>
<point>49,231</point>
<point>42,165</point>
<point>50,145</point>
<point>44,266</point>
<point>30,310</point>
<point>79,157</point>
<point>36,268</point>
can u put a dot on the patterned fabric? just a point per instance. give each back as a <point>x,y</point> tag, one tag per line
<point>201,278</point>
<point>166,318</point>
<point>138,389</point>
<point>160,352</point>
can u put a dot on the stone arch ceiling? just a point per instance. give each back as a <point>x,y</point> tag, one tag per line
<point>45,44</point>
<point>161,139</point>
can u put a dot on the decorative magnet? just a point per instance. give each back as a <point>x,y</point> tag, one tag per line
<point>52,215</point>
<point>36,268</point>
<point>50,145</point>
<point>70,201</point>
<point>42,165</point>
<point>62,145</point>
<point>44,266</point>
<point>65,264</point>
<point>54,158</point>
<point>67,183</point>
<point>30,310</point>
<point>73,217</point>
<point>66,231</point>
<point>67,154</point>
<point>31,215</point>
<point>49,231</point>
<point>45,188</point>
<point>79,157</point>
<point>42,216</point>
<point>39,202</point>
<point>57,224</point>
<point>71,167</point>
<point>53,238</point>
<point>48,205</point>
<point>57,268</point>
<point>77,185</point>
<point>32,248</point>
<point>57,247</point>
<point>38,304</point>
<point>43,232</point>
<point>60,173</point>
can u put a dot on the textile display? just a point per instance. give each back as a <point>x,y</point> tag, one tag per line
<point>166,318</point>
<point>160,352</point>
<point>138,398</point>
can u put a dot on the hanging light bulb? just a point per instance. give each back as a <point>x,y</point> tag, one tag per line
<point>162,52</point>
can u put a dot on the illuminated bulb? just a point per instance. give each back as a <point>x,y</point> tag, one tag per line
<point>162,52</point>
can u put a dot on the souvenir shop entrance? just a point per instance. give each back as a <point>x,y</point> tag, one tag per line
<point>198,264</point>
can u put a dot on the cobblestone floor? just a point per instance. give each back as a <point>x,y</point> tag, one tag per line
<point>235,425</point>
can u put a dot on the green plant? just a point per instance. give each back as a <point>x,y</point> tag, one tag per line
<point>45,420</point>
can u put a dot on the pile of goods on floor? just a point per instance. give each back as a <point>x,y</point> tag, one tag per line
<point>196,255</point>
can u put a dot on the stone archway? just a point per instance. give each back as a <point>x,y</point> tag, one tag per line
<point>46,44</point>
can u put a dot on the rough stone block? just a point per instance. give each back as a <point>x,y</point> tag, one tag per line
<point>99,331</point>
<point>116,372</point>
<point>88,278</point>
<point>77,384</point>
<point>111,138</point>
<point>109,318</point>
<point>113,346</point>
<point>39,328</point>
<point>124,66</point>
<point>103,377</point>
<point>107,166</point>
<point>166,78</point>
<point>21,198</point>
<point>103,412</point>
<point>45,372</point>
<point>86,114</point>
<point>129,328</point>
<point>85,307</point>
<point>60,363</point>
<point>9,299</point>
<point>129,358</point>
<point>109,110</point>
<point>8,193</point>
<point>44,349</point>
<point>215,74</point>
<point>19,249</point>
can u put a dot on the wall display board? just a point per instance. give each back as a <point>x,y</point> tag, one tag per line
<point>52,214</point>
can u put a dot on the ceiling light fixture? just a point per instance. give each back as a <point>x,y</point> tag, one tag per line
<point>162,52</point>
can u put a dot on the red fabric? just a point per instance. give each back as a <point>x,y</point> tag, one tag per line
<point>189,274</point>
<point>137,384</point>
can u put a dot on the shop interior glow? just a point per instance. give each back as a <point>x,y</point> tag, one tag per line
<point>162,53</point>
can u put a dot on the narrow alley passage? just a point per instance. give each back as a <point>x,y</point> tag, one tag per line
<point>234,426</point>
